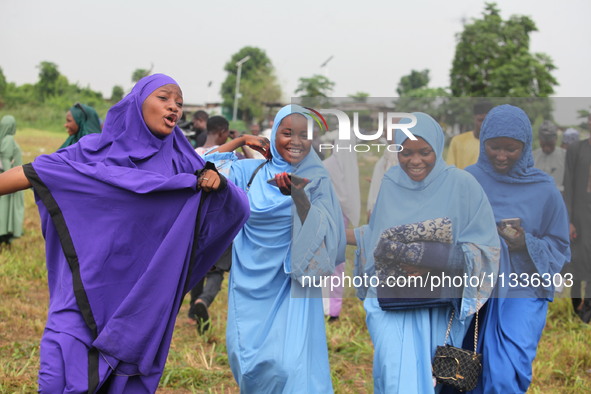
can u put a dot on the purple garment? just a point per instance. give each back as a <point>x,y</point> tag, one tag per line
<point>127,235</point>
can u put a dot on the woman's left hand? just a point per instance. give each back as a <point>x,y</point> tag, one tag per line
<point>515,241</point>
<point>208,181</point>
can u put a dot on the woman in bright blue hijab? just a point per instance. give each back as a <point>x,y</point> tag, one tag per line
<point>538,247</point>
<point>275,334</point>
<point>419,196</point>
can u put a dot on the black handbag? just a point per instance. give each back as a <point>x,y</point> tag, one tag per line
<point>456,367</point>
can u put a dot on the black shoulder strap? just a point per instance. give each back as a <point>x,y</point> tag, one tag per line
<point>254,174</point>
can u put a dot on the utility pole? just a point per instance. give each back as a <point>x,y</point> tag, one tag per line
<point>237,93</point>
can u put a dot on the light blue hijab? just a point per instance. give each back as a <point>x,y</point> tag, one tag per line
<point>405,341</point>
<point>271,210</point>
<point>445,192</point>
<point>275,333</point>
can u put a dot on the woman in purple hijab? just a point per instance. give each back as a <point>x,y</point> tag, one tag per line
<point>133,218</point>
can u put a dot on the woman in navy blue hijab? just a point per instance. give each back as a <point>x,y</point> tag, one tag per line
<point>535,249</point>
<point>130,226</point>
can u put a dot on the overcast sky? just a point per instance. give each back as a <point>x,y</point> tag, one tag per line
<point>373,43</point>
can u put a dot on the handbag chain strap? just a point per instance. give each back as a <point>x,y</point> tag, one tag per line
<point>453,312</point>
<point>254,174</point>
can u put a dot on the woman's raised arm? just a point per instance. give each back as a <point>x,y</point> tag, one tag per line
<point>13,180</point>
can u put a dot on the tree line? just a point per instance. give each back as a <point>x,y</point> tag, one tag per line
<point>492,59</point>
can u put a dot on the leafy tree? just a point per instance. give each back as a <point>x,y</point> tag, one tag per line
<point>493,59</point>
<point>117,94</point>
<point>51,82</point>
<point>139,73</point>
<point>3,83</point>
<point>315,86</point>
<point>415,95</point>
<point>415,80</point>
<point>258,83</point>
<point>360,97</point>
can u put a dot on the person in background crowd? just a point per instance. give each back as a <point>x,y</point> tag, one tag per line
<point>199,128</point>
<point>81,120</point>
<point>12,206</point>
<point>218,130</point>
<point>387,160</point>
<point>548,157</point>
<point>203,294</point>
<point>255,129</point>
<point>464,148</point>
<point>344,174</point>
<point>577,195</point>
<point>569,137</point>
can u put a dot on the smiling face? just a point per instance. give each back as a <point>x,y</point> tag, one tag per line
<point>162,109</point>
<point>417,159</point>
<point>291,139</point>
<point>503,152</point>
<point>71,125</point>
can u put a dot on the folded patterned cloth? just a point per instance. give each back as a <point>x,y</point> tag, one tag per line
<point>412,250</point>
<point>426,243</point>
<point>392,255</point>
<point>435,230</point>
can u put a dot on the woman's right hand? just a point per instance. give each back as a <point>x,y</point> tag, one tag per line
<point>572,232</point>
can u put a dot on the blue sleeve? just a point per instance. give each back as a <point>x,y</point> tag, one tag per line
<point>319,242</point>
<point>223,161</point>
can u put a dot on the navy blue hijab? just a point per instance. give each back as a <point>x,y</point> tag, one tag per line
<point>512,122</point>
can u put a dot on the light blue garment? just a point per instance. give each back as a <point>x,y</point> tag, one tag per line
<point>275,334</point>
<point>513,324</point>
<point>405,341</point>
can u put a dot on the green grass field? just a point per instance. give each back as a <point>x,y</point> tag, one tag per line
<point>198,364</point>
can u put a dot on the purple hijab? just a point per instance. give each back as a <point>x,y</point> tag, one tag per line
<point>127,234</point>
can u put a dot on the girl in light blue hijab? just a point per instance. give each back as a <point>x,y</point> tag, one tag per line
<point>275,334</point>
<point>423,191</point>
